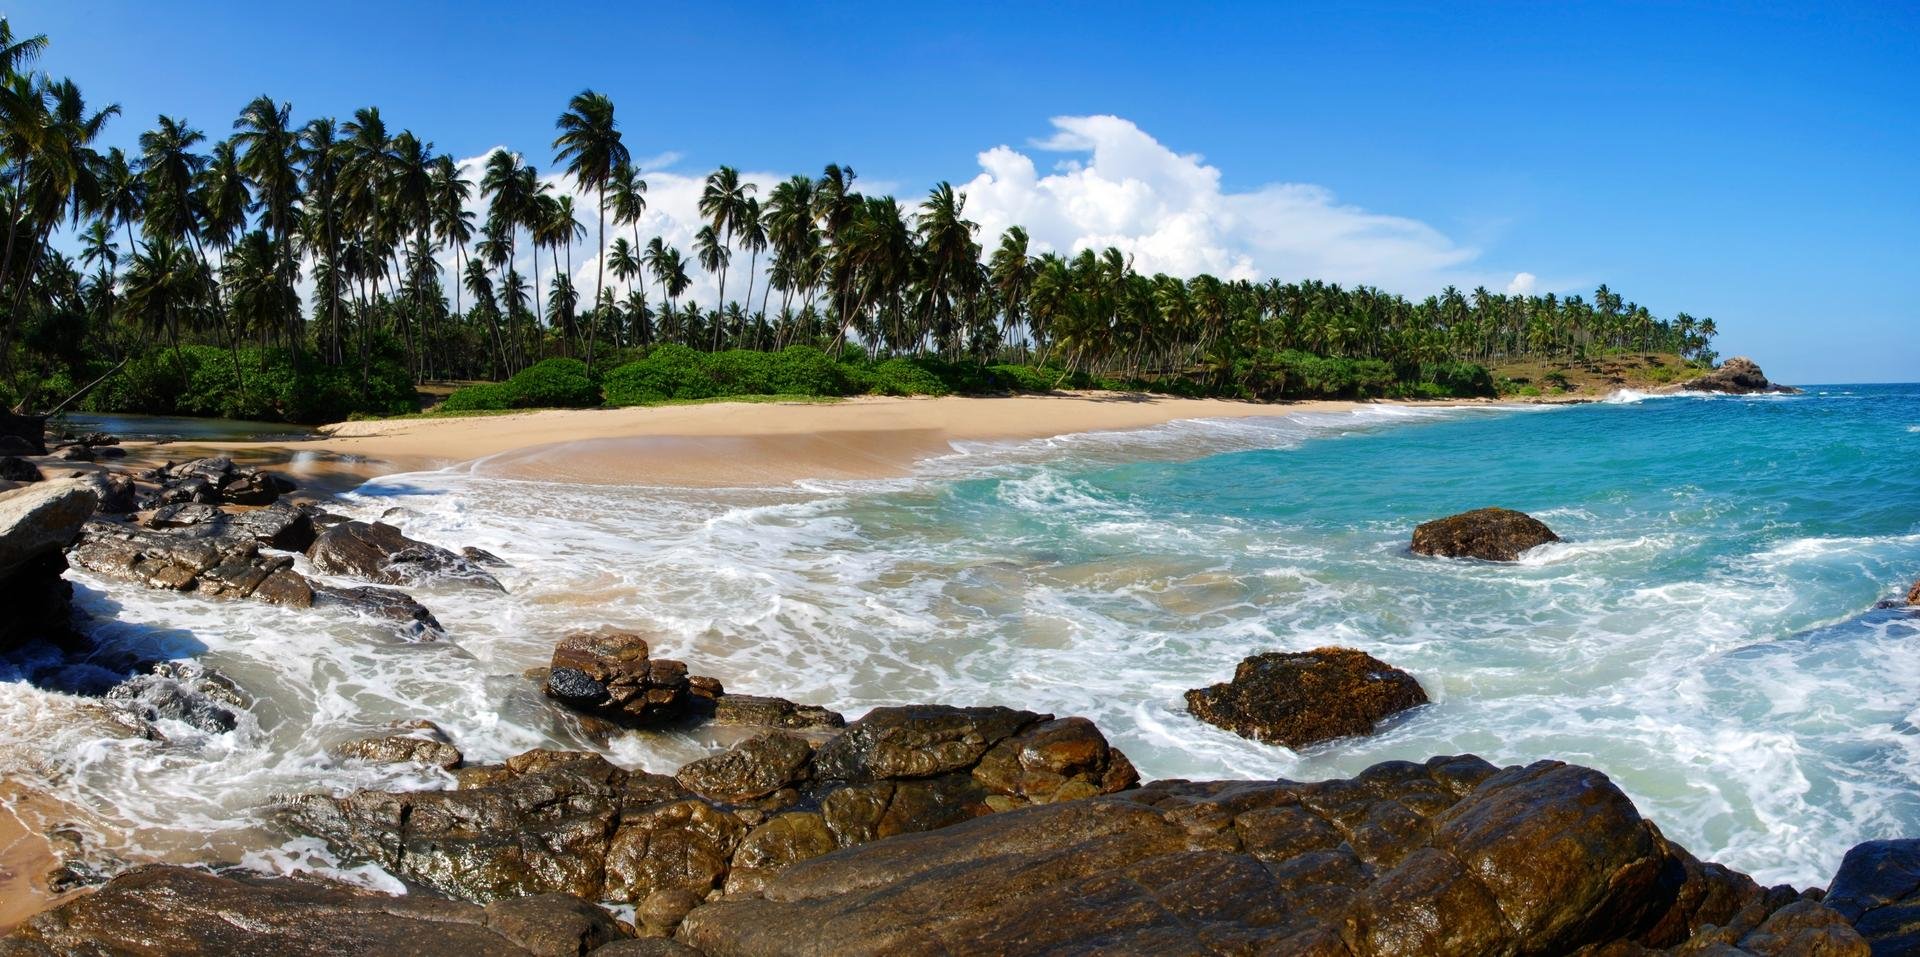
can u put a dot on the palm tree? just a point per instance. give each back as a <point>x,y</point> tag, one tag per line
<point>723,201</point>
<point>589,143</point>
<point>271,163</point>
<point>321,155</point>
<point>714,255</point>
<point>753,238</point>
<point>623,262</point>
<point>629,198</point>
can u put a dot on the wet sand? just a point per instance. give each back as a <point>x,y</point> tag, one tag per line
<point>26,856</point>
<point>723,444</point>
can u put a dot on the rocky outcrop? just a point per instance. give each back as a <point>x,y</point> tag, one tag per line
<point>117,493</point>
<point>1737,376</point>
<point>767,712</point>
<point>36,524</point>
<point>1450,857</point>
<point>378,552</point>
<point>1878,891</point>
<point>222,559</point>
<point>1913,594</point>
<point>1491,534</point>
<point>612,676</point>
<point>22,434</point>
<point>1302,698</point>
<point>181,910</point>
<point>570,822</point>
<point>214,480</point>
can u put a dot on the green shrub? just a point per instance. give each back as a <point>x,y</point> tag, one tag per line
<point>900,376</point>
<point>1023,378</point>
<point>670,371</point>
<point>271,385</point>
<point>554,383</point>
<point>486,396</point>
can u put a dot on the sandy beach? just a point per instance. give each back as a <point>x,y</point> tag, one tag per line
<point>723,444</point>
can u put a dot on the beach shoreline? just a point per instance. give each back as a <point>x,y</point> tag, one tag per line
<point>727,444</point>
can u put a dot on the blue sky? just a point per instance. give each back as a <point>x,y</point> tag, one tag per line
<point>1751,163</point>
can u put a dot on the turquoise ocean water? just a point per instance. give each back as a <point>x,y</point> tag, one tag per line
<point>1706,635</point>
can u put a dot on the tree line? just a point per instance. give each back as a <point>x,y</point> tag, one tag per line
<point>319,245</point>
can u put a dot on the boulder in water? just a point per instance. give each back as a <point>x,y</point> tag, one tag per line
<point>1878,890</point>
<point>415,742</point>
<point>379,552</point>
<point>1302,698</point>
<point>753,769</point>
<point>1491,534</point>
<point>116,492</point>
<point>612,675</point>
<point>769,712</point>
<point>41,520</point>
<point>182,691</point>
<point>1913,594</point>
<point>1737,376</point>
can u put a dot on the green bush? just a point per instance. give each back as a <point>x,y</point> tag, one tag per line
<point>1023,378</point>
<point>270,385</point>
<point>554,383</point>
<point>486,396</point>
<point>670,371</point>
<point>899,376</point>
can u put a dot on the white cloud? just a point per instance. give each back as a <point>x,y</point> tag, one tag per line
<point>1169,211</point>
<point>1523,284</point>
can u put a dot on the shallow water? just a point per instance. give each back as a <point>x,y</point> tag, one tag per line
<point>171,427</point>
<point>1704,635</point>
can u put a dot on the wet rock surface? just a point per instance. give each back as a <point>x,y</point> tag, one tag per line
<point>16,469</point>
<point>1737,376</point>
<point>214,480</point>
<point>1490,534</point>
<point>768,712</point>
<point>378,552</point>
<point>613,676</point>
<point>222,558</point>
<point>1302,698</point>
<point>415,742</point>
<point>549,821</point>
<point>180,910</point>
<point>181,691</point>
<point>37,522</point>
<point>22,434</point>
<point>1878,890</point>
<point>1449,857</point>
<point>1913,594</point>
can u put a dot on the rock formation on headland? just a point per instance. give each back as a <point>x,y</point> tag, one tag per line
<point>1302,698</point>
<point>1737,376</point>
<point>1491,534</point>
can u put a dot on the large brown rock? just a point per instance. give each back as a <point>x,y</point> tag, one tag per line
<point>1492,534</point>
<point>184,911</point>
<point>559,821</point>
<point>613,676</point>
<point>1878,890</point>
<point>41,520</point>
<point>380,553</point>
<point>1737,376</point>
<point>1913,594</point>
<point>1450,857</point>
<point>1302,698</point>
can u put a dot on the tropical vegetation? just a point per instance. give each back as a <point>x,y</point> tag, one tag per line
<point>308,268</point>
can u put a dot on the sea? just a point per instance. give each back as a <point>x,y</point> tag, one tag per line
<point>1708,634</point>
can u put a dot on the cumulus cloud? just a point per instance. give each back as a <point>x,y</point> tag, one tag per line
<point>1121,187</point>
<point>1523,284</point>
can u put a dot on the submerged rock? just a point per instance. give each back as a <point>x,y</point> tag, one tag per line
<point>768,712</point>
<point>164,909</point>
<point>569,821</point>
<point>182,691</point>
<point>1737,376</point>
<point>378,552</point>
<point>213,480</point>
<point>1492,534</point>
<point>1302,698</point>
<point>415,742</point>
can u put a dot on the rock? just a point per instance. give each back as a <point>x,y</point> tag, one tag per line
<point>611,675</point>
<point>766,712</point>
<point>41,520</point>
<point>1737,376</point>
<point>97,439</point>
<point>1450,857</point>
<point>214,480</point>
<point>482,557</point>
<point>549,821</point>
<point>917,741</point>
<point>222,559</point>
<point>16,469</point>
<point>74,453</point>
<point>182,691</point>
<point>116,492</point>
<point>1878,890</point>
<point>23,434</point>
<point>255,488</point>
<point>1913,594</point>
<point>755,768</point>
<point>165,909</point>
<point>1302,698</point>
<point>282,525</point>
<point>419,742</point>
<point>1492,534</point>
<point>184,514</point>
<point>378,552</point>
